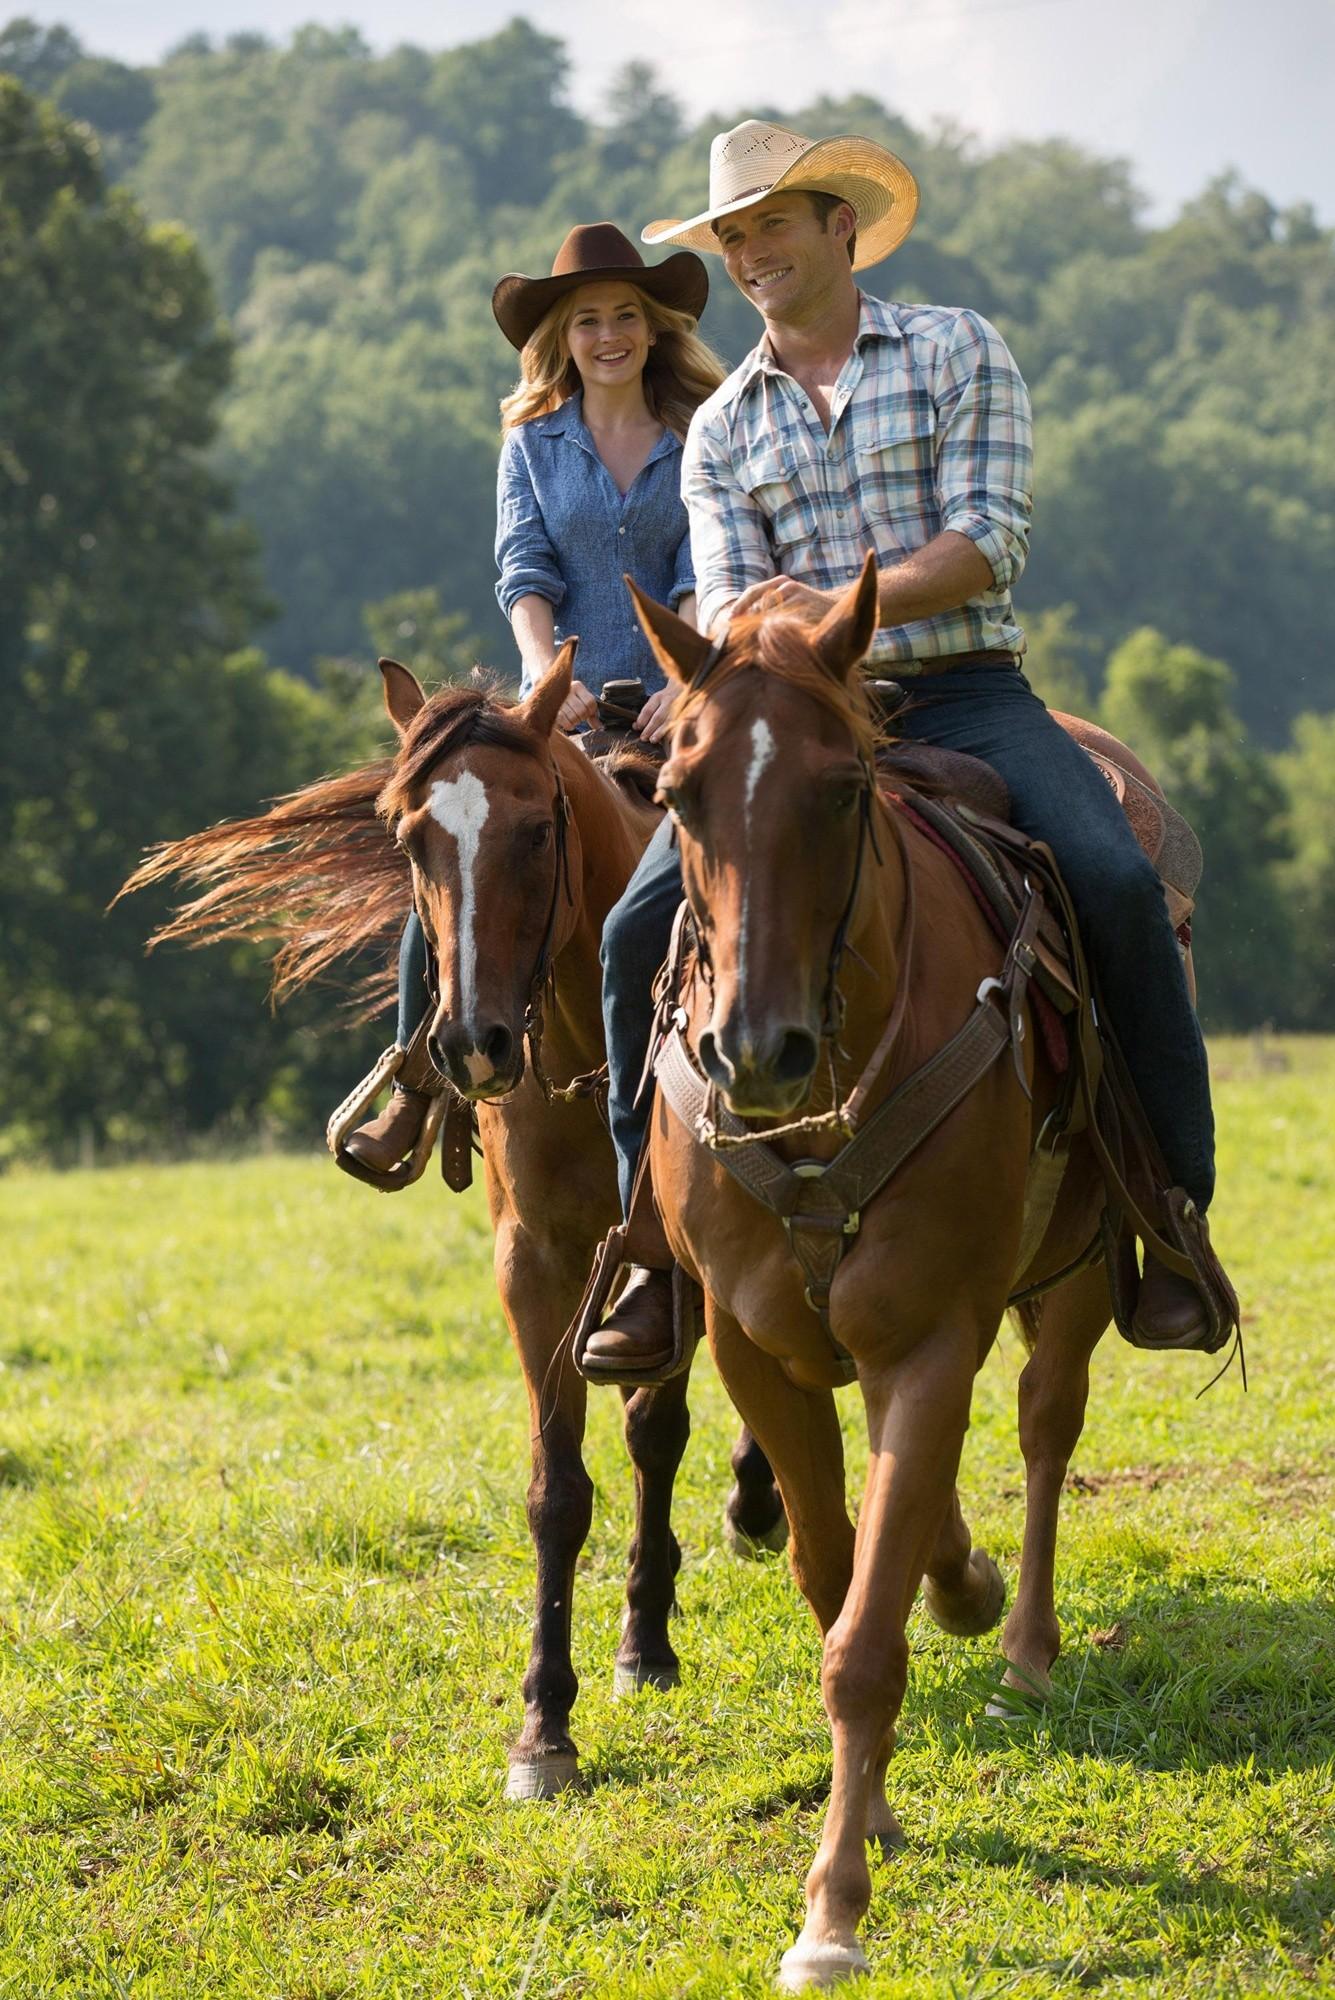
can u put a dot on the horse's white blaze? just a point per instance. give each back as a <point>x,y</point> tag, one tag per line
<point>762,749</point>
<point>762,754</point>
<point>460,805</point>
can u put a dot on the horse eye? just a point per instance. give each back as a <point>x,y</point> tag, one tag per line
<point>540,836</point>
<point>842,791</point>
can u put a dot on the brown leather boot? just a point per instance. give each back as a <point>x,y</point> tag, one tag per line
<point>637,1335</point>
<point>385,1140</point>
<point>1169,1311</point>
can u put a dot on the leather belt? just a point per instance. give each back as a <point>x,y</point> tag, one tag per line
<point>944,663</point>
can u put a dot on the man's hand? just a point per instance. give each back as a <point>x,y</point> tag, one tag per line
<point>652,721</point>
<point>578,706</point>
<point>785,593</point>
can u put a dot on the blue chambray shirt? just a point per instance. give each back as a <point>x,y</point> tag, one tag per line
<point>565,533</point>
<point>930,429</point>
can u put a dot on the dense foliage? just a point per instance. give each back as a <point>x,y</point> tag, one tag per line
<point>350,213</point>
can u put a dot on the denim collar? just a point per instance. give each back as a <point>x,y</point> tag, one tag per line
<point>568,421</point>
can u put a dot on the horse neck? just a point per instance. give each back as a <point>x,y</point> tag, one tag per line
<point>610,837</point>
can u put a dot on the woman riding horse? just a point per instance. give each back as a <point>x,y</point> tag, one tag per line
<point>589,490</point>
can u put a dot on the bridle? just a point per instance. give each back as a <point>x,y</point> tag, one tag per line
<point>843,1113</point>
<point>542,980</point>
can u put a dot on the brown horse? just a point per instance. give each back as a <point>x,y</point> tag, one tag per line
<point>515,845</point>
<point>770,782</point>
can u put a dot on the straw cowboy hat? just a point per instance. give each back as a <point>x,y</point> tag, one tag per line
<point>755,160</point>
<point>591,252</point>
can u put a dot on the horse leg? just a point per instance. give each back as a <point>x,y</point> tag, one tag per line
<point>798,1432</point>
<point>753,1518</point>
<point>1054,1387</point>
<point>538,1302</point>
<point>917,1415</point>
<point>657,1427</point>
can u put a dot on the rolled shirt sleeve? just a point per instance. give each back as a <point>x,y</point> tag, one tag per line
<point>524,553</point>
<point>985,456</point>
<point>683,577</point>
<point>730,545</point>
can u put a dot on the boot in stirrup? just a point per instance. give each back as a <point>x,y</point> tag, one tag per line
<point>391,1150</point>
<point>638,1337</point>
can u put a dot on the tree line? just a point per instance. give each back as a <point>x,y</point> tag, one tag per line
<point>248,435</point>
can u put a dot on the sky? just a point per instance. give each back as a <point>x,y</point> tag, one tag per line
<point>1186,89</point>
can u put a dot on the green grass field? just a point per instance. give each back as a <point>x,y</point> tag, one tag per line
<point>264,1580</point>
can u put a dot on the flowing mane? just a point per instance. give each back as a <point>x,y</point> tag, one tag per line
<point>782,647</point>
<point>319,870</point>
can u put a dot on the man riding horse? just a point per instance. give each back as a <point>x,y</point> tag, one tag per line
<point>858,424</point>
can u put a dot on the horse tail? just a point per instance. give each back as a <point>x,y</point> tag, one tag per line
<point>318,871</point>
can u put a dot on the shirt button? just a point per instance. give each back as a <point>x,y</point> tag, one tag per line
<point>621,531</point>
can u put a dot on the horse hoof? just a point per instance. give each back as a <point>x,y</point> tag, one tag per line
<point>1023,1693</point>
<point>809,1965</point>
<point>886,1842</point>
<point>749,1548</point>
<point>629,1676</point>
<point>965,1615</point>
<point>542,1777</point>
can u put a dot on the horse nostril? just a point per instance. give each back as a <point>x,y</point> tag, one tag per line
<point>716,1066</point>
<point>497,1044</point>
<point>437,1053</point>
<point>796,1057</point>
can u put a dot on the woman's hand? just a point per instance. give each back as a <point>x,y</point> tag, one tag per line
<point>578,706</point>
<point>652,721</point>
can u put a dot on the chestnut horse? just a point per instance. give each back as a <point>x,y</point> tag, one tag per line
<point>770,780</point>
<point>515,845</point>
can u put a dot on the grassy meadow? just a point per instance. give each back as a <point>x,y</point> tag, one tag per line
<point>264,1583</point>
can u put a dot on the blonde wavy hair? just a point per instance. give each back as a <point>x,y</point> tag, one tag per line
<point>679,373</point>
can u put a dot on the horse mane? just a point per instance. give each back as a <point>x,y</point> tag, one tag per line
<point>782,646</point>
<point>633,768</point>
<point>319,869</point>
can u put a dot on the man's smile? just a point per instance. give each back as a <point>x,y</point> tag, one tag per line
<point>764,279</point>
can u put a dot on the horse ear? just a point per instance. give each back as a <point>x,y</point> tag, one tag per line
<point>403,694</point>
<point>845,633</point>
<point>678,648</point>
<point>539,710</point>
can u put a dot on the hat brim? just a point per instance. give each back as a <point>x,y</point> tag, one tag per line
<point>520,304</point>
<point>880,189</point>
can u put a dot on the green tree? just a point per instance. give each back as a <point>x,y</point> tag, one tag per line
<point>1307,772</point>
<point>1172,705</point>
<point>411,627</point>
<point>1059,663</point>
<point>35,56</point>
<point>133,712</point>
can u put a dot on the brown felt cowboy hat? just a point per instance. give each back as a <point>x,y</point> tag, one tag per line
<point>591,252</point>
<point>756,160</point>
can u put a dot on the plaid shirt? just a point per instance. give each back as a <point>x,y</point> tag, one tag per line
<point>930,429</point>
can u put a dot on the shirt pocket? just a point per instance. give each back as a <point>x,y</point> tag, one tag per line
<point>897,478</point>
<point>783,488</point>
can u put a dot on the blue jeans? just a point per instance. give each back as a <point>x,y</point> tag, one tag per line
<point>413,995</point>
<point>636,937</point>
<point>1057,796</point>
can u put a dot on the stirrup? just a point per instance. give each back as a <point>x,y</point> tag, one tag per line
<point>687,1315</point>
<point>354,1108</point>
